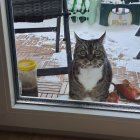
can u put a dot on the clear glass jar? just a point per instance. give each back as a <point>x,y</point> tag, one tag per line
<point>28,77</point>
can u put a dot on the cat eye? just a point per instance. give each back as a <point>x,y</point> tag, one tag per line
<point>82,52</point>
<point>98,53</point>
<point>98,56</point>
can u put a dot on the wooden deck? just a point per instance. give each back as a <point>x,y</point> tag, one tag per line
<point>41,49</point>
<point>53,89</point>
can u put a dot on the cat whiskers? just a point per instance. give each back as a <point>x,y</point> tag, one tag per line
<point>98,65</point>
<point>83,66</point>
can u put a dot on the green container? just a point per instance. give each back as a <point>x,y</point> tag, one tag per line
<point>92,11</point>
<point>84,14</point>
<point>106,9</point>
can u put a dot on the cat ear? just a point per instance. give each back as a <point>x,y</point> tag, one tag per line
<point>77,38</point>
<point>101,39</point>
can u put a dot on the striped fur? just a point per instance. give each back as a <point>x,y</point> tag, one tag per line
<point>90,72</point>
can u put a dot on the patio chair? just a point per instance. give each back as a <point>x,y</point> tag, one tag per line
<point>37,11</point>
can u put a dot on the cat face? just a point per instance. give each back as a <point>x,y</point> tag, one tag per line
<point>89,52</point>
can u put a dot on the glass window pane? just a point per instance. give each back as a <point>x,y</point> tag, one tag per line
<point>84,56</point>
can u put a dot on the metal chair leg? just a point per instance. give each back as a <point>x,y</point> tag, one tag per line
<point>67,33</point>
<point>64,39</point>
<point>58,33</point>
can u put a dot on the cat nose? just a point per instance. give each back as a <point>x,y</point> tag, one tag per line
<point>90,57</point>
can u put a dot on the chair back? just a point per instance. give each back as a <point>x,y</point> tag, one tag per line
<point>36,10</point>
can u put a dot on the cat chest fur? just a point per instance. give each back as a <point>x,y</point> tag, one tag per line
<point>89,77</point>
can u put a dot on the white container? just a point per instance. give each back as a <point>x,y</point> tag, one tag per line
<point>28,77</point>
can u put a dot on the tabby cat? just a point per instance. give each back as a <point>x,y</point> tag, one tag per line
<point>90,72</point>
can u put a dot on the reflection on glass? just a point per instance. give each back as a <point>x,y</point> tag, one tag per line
<point>121,47</point>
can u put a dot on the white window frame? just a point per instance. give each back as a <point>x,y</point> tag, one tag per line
<point>74,120</point>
